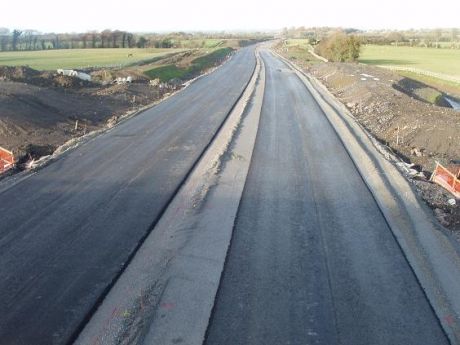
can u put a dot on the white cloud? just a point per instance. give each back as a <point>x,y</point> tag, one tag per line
<point>144,15</point>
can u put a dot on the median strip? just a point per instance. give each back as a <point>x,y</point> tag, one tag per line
<point>166,294</point>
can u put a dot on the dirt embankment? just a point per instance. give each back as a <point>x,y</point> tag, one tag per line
<point>382,102</point>
<point>39,111</point>
<point>393,110</point>
<point>399,113</point>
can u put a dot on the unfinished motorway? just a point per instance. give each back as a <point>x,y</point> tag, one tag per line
<point>248,208</point>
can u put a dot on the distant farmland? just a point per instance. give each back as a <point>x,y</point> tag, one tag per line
<point>81,58</point>
<point>441,63</point>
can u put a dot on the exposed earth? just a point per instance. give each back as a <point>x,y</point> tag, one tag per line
<point>398,113</point>
<point>40,111</point>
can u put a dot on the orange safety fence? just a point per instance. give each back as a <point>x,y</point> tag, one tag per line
<point>6,160</point>
<point>447,178</point>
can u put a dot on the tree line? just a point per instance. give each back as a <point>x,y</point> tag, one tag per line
<point>22,40</point>
<point>438,38</point>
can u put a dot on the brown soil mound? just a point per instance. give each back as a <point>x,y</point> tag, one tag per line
<point>388,106</point>
<point>18,73</point>
<point>37,118</point>
<point>24,74</point>
<point>420,132</point>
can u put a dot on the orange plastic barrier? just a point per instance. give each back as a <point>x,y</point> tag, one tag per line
<point>6,160</point>
<point>447,178</point>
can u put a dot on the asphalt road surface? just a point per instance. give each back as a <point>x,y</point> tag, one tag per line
<point>312,260</point>
<point>67,231</point>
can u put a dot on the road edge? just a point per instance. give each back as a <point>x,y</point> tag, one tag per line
<point>7,182</point>
<point>433,256</point>
<point>175,264</point>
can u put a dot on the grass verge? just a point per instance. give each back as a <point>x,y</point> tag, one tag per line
<point>198,65</point>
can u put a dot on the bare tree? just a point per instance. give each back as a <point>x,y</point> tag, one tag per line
<point>16,35</point>
<point>131,41</point>
<point>4,38</point>
<point>105,36</point>
<point>123,39</point>
<point>115,35</point>
<point>93,39</point>
<point>84,39</point>
<point>437,36</point>
<point>453,35</point>
<point>395,37</point>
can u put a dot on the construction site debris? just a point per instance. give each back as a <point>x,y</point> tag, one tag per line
<point>124,80</point>
<point>73,73</point>
<point>7,160</point>
<point>447,178</point>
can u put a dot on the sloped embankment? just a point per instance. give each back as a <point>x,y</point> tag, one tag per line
<point>419,132</point>
<point>193,69</point>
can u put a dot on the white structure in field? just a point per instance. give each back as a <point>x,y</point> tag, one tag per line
<point>125,80</point>
<point>73,73</point>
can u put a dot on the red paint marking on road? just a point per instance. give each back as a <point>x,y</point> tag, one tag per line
<point>449,320</point>
<point>167,306</point>
<point>114,313</point>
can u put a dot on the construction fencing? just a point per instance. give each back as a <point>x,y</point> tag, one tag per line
<point>449,178</point>
<point>6,160</point>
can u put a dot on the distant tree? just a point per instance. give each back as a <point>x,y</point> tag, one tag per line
<point>130,40</point>
<point>339,47</point>
<point>123,39</point>
<point>141,42</point>
<point>55,42</point>
<point>453,35</point>
<point>105,37</point>
<point>285,32</point>
<point>4,42</point>
<point>395,37</point>
<point>84,38</point>
<point>93,39</point>
<point>4,38</point>
<point>166,43</point>
<point>437,36</point>
<point>15,40</point>
<point>116,34</point>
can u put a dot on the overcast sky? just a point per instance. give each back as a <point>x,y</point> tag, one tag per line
<point>194,15</point>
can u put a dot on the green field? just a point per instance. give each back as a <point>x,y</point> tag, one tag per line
<point>81,58</point>
<point>445,62</point>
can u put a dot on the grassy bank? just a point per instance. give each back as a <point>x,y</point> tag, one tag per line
<point>168,72</point>
<point>297,50</point>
